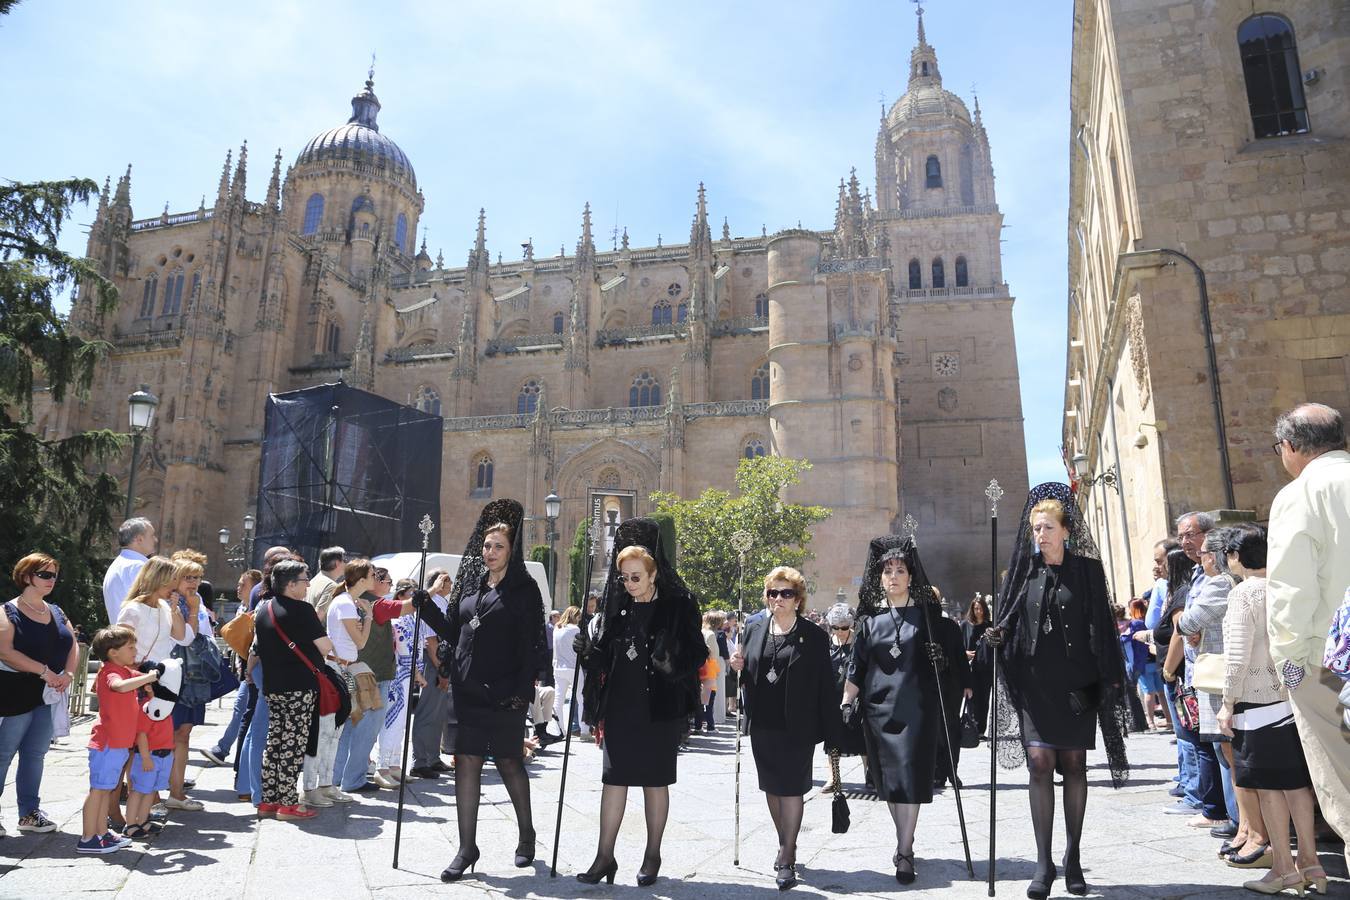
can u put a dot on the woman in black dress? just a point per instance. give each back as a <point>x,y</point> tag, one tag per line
<point>891,686</point>
<point>495,624</point>
<point>840,621</point>
<point>1063,671</point>
<point>641,687</point>
<point>973,627</point>
<point>788,692</point>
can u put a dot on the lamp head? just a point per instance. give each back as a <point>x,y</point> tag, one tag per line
<point>1080,465</point>
<point>552,505</point>
<point>141,406</point>
<point>223,536</point>
<point>248,524</point>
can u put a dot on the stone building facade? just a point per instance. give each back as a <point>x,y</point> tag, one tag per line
<point>881,349</point>
<point>1209,250</point>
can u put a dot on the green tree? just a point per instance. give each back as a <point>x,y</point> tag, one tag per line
<point>55,495</point>
<point>576,559</point>
<point>704,525</point>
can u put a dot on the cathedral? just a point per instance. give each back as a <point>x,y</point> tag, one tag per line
<point>881,349</point>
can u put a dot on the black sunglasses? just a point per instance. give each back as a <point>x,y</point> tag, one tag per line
<point>633,578</point>
<point>785,593</point>
<point>45,576</point>
<point>842,627</point>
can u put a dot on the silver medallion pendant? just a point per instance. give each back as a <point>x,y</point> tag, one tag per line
<point>632,652</point>
<point>475,622</point>
<point>895,651</point>
<point>771,677</point>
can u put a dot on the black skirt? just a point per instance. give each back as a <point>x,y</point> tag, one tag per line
<point>782,760</point>
<point>1270,756</point>
<point>499,733</point>
<point>638,751</point>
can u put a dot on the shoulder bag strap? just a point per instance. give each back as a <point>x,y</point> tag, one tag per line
<point>281,633</point>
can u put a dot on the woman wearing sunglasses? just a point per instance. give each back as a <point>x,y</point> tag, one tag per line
<point>641,687</point>
<point>839,620</point>
<point>37,652</point>
<point>789,696</point>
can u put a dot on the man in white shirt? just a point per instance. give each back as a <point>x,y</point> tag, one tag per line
<point>332,568</point>
<point>138,541</point>
<point>1309,570</point>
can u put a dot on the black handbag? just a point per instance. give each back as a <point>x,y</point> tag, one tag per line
<point>839,816</point>
<point>970,730</point>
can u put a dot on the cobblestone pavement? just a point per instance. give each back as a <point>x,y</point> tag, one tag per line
<point>1130,849</point>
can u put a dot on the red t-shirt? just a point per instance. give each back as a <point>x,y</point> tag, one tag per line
<point>117,711</point>
<point>159,734</point>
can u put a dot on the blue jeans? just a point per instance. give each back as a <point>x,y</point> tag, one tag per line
<point>1188,768</point>
<point>28,735</point>
<point>1212,804</point>
<point>249,778</point>
<point>1226,775</point>
<point>354,746</point>
<point>226,740</point>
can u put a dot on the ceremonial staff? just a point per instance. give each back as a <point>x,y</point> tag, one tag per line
<point>911,526</point>
<point>426,526</point>
<point>741,542</point>
<point>576,679</point>
<point>994,493</point>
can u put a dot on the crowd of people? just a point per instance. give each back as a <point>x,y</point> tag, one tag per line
<point>1240,649</point>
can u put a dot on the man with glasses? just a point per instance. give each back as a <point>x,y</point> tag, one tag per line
<point>1309,571</point>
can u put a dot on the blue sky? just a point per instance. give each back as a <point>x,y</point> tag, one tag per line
<point>532,109</point>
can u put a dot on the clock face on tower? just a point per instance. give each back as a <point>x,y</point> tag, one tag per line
<point>946,365</point>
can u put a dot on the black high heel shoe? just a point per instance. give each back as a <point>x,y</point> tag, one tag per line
<point>459,865</point>
<point>900,875</point>
<point>785,876</point>
<point>1074,882</point>
<point>1039,888</point>
<point>525,851</point>
<point>595,876</point>
<point>646,876</point>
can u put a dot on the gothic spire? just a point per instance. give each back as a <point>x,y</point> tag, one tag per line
<point>479,261</point>
<point>103,200</point>
<point>700,236</point>
<point>923,65</point>
<point>123,195</point>
<point>585,245</point>
<point>274,185</point>
<point>239,185</point>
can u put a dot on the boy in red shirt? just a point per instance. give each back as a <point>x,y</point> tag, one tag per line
<point>150,765</point>
<point>111,740</point>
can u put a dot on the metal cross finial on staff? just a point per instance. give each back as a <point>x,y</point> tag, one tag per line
<point>426,526</point>
<point>995,494</point>
<point>910,528</point>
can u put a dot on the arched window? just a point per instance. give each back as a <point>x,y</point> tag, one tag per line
<point>482,473</point>
<point>962,272</point>
<point>195,295</point>
<point>313,214</point>
<point>933,173</point>
<point>939,273</point>
<point>363,203</point>
<point>148,297</point>
<point>915,275</point>
<point>646,391</point>
<point>1274,81</point>
<point>753,448</point>
<point>173,294</point>
<point>558,323</point>
<point>332,336</point>
<point>761,306</point>
<point>401,233</point>
<point>428,401</point>
<point>759,383</point>
<point>661,313</point>
<point>527,399</point>
<point>681,312</point>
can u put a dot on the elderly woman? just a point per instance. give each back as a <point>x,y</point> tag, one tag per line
<point>641,686</point>
<point>291,644</point>
<point>839,620</point>
<point>189,569</point>
<point>1064,671</point>
<point>38,654</point>
<point>789,692</point>
<point>1202,625</point>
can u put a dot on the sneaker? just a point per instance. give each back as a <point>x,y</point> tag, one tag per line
<point>185,805</point>
<point>1177,791</point>
<point>1180,808</point>
<point>115,841</point>
<point>95,845</point>
<point>337,796</point>
<point>318,798</point>
<point>37,822</point>
<point>217,759</point>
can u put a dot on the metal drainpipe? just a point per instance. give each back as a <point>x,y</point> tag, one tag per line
<point>1120,483</point>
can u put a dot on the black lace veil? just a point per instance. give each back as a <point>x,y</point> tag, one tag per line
<point>645,533</point>
<point>472,569</point>
<point>872,596</point>
<point>1113,716</point>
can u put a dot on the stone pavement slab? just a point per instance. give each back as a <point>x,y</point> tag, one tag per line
<point>1131,850</point>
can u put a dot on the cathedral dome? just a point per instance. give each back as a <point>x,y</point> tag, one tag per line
<point>359,139</point>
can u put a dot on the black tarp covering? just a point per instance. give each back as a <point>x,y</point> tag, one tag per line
<point>344,467</point>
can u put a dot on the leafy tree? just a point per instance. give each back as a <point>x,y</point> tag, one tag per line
<point>56,496</point>
<point>576,559</point>
<point>781,531</point>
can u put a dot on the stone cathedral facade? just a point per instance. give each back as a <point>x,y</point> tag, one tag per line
<point>881,348</point>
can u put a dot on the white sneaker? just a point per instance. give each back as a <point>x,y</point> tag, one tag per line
<point>185,805</point>
<point>318,797</point>
<point>335,793</point>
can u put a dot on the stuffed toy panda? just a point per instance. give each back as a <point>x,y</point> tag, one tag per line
<point>160,706</point>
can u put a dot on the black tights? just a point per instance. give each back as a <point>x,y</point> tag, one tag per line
<point>469,786</point>
<point>613,800</point>
<point>786,813</point>
<point>1042,763</point>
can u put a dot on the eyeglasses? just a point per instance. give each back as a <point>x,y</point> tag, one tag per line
<point>304,578</point>
<point>634,578</point>
<point>1276,447</point>
<point>45,576</point>
<point>785,593</point>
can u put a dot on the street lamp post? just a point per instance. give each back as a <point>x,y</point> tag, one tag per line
<point>552,507</point>
<point>141,408</point>
<point>1110,477</point>
<point>240,555</point>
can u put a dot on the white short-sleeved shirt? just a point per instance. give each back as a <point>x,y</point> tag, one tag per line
<point>343,608</point>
